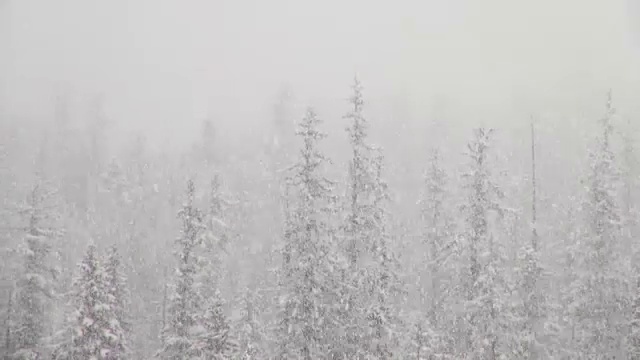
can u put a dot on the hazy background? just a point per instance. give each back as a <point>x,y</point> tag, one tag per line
<point>161,66</point>
<point>162,63</point>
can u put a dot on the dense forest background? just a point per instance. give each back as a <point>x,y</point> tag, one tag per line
<point>203,182</point>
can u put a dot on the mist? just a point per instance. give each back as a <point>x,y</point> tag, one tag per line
<point>164,65</point>
<point>118,105</point>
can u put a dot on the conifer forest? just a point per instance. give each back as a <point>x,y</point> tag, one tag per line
<point>422,180</point>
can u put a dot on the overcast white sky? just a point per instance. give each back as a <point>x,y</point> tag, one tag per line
<point>162,62</point>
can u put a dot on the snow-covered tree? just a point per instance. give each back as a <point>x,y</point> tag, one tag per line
<point>118,299</point>
<point>310,274</point>
<point>631,170</point>
<point>486,283</point>
<point>634,333</point>
<point>438,240</point>
<point>357,228</point>
<point>372,277</point>
<point>218,232</point>
<point>251,335</point>
<point>361,178</point>
<point>185,303</point>
<point>532,302</point>
<point>36,284</point>
<point>213,337</point>
<point>425,342</point>
<point>96,332</point>
<point>600,298</point>
<point>632,230</point>
<point>384,283</point>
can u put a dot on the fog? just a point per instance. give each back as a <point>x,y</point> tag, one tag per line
<point>107,102</point>
<point>160,65</point>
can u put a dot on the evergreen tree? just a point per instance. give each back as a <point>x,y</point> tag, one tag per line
<point>213,340</point>
<point>631,232</point>
<point>97,333</point>
<point>384,282</point>
<point>634,333</point>
<point>631,168</point>
<point>600,297</point>
<point>218,231</point>
<point>118,300</point>
<point>251,336</point>
<point>438,239</point>
<point>425,342</point>
<point>36,284</point>
<point>529,265</point>
<point>186,302</point>
<point>486,284</point>
<point>309,278</point>
<point>361,178</point>
<point>357,228</point>
<point>372,277</point>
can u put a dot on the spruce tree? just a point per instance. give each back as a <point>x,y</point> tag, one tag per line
<point>361,178</point>
<point>632,230</point>
<point>357,228</point>
<point>118,300</point>
<point>438,240</point>
<point>485,284</point>
<point>251,336</point>
<point>309,278</point>
<point>529,265</point>
<point>213,339</point>
<point>96,332</point>
<point>186,302</point>
<point>600,298</point>
<point>218,232</point>
<point>373,274</point>
<point>35,287</point>
<point>384,283</point>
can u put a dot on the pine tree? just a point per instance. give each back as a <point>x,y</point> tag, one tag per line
<point>36,285</point>
<point>309,279</point>
<point>186,302</point>
<point>97,333</point>
<point>118,300</point>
